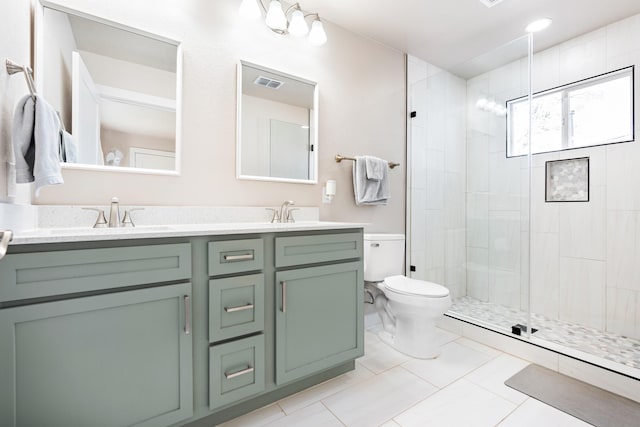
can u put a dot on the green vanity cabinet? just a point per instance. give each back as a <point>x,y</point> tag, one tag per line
<point>318,319</point>
<point>116,359</point>
<point>174,331</point>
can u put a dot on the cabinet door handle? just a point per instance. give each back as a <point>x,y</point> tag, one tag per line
<point>231,375</point>
<point>243,257</point>
<point>284,296</point>
<point>187,314</point>
<point>247,306</point>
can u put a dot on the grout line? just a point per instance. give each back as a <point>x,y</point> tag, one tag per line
<point>332,413</point>
<point>514,410</point>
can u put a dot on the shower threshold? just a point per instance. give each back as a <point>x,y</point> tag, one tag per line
<point>605,345</point>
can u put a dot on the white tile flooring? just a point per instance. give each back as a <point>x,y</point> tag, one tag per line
<point>463,387</point>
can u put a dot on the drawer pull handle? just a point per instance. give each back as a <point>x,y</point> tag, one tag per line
<point>229,376</point>
<point>243,257</point>
<point>247,306</point>
<point>187,315</point>
<point>284,296</point>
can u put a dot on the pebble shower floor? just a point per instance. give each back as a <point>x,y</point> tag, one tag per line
<point>609,346</point>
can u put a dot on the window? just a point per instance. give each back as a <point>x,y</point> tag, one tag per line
<point>595,111</point>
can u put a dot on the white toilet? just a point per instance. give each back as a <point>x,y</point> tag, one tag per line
<point>408,307</point>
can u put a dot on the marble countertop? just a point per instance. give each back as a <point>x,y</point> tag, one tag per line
<point>84,234</point>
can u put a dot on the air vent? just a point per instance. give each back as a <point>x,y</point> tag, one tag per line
<point>490,3</point>
<point>267,82</point>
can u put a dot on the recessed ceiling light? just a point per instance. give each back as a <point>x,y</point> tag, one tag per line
<point>538,25</point>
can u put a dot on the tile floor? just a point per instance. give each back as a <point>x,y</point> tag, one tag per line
<point>463,387</point>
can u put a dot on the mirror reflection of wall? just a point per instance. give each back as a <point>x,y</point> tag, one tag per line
<point>277,126</point>
<point>115,89</point>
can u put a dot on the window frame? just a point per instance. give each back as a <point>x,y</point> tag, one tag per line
<point>565,90</point>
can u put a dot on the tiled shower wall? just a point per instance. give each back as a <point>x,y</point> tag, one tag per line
<point>585,264</point>
<point>497,189</point>
<point>438,175</point>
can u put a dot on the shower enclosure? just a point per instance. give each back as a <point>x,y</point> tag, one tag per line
<point>524,191</point>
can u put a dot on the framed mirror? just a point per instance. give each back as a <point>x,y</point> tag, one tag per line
<point>277,127</point>
<point>116,89</point>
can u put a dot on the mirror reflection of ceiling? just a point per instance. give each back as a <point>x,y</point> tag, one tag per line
<point>148,121</point>
<point>292,91</point>
<point>106,40</point>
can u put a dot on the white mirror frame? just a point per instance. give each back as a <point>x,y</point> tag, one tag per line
<point>313,163</point>
<point>39,71</point>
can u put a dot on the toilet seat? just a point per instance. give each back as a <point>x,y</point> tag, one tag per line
<point>416,288</point>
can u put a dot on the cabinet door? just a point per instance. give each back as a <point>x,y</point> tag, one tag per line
<point>319,319</point>
<point>111,360</point>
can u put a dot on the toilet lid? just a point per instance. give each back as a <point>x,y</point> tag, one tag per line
<point>406,286</point>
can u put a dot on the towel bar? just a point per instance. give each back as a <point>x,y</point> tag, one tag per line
<point>13,68</point>
<point>340,158</point>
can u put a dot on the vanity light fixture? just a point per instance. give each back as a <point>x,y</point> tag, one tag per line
<point>538,25</point>
<point>277,20</point>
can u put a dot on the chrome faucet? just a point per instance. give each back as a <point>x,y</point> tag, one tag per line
<point>284,210</point>
<point>114,213</point>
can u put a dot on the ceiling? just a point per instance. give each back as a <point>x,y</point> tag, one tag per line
<point>448,33</point>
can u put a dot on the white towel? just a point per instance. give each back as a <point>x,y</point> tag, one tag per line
<point>369,191</point>
<point>376,168</point>
<point>36,139</point>
<point>68,147</point>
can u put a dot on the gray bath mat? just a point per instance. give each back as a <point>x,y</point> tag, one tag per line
<point>584,401</point>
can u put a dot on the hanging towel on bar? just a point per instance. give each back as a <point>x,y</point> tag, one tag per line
<point>376,168</point>
<point>369,191</point>
<point>36,139</point>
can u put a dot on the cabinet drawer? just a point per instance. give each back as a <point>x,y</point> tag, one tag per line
<point>39,274</point>
<point>236,306</point>
<point>236,370</point>
<point>299,250</point>
<point>235,256</point>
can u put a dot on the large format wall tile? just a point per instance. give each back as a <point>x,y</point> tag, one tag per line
<point>545,271</point>
<point>623,250</point>
<point>623,313</point>
<point>582,291</point>
<point>583,227</point>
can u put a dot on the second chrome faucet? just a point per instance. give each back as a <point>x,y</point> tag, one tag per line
<point>285,214</point>
<point>114,216</point>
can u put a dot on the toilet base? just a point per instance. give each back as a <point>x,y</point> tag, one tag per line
<point>427,352</point>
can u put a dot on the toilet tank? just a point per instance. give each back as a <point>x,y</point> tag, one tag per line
<point>383,256</point>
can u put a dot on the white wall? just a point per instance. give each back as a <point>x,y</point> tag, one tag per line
<point>14,44</point>
<point>362,111</point>
<point>438,175</point>
<point>584,256</point>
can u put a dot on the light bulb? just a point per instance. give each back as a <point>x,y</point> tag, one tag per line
<point>275,16</point>
<point>249,10</point>
<point>298,26</point>
<point>317,36</point>
<point>538,25</point>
